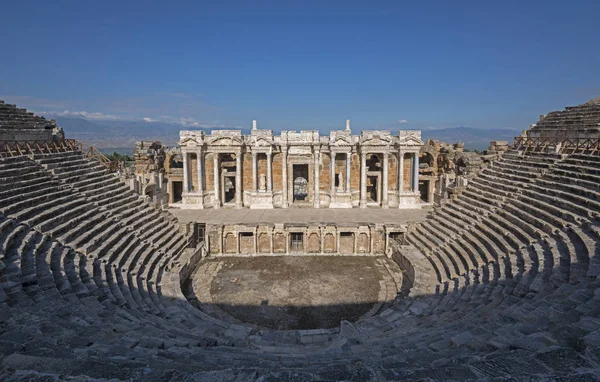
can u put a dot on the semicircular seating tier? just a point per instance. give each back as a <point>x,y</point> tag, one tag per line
<point>504,282</point>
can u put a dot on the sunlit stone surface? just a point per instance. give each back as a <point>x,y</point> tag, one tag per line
<point>296,292</point>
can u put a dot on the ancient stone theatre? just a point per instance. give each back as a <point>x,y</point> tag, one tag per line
<point>263,170</point>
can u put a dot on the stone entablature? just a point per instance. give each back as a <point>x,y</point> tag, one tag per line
<point>314,239</point>
<point>263,170</point>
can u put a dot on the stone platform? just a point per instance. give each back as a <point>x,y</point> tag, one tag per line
<point>301,215</point>
<point>294,292</point>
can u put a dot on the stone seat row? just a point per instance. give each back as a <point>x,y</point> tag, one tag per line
<point>507,231</point>
<point>88,235</point>
<point>35,269</point>
<point>496,308</point>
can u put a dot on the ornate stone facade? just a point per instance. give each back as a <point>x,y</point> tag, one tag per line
<point>149,172</point>
<point>299,239</point>
<point>262,170</point>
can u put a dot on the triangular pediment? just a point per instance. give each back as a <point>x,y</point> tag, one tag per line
<point>225,141</point>
<point>412,141</point>
<point>190,141</point>
<point>262,142</point>
<point>341,140</point>
<point>376,140</point>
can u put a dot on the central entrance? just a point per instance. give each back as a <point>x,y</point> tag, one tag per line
<point>374,179</point>
<point>300,183</point>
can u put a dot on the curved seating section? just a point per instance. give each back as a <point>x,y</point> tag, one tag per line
<point>584,117</point>
<point>89,286</point>
<point>534,209</point>
<point>14,118</point>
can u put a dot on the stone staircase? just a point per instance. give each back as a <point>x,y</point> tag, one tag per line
<point>90,286</point>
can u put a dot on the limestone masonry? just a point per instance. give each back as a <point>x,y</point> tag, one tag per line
<point>226,168</point>
<point>240,258</point>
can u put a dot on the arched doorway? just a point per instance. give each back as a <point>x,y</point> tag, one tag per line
<point>374,178</point>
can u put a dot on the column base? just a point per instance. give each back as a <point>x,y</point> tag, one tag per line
<point>261,200</point>
<point>409,200</point>
<point>192,201</point>
<point>341,200</point>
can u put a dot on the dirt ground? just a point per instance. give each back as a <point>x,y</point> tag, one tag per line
<point>296,292</point>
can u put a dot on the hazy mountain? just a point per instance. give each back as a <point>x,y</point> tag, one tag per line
<point>472,138</point>
<point>103,134</point>
<point>124,134</point>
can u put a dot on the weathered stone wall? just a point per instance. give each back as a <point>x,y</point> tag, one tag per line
<point>407,171</point>
<point>355,172</point>
<point>194,172</point>
<point>305,149</point>
<point>392,173</point>
<point>325,173</point>
<point>209,171</point>
<point>247,243</point>
<point>26,135</point>
<point>247,172</point>
<point>317,239</point>
<point>277,161</point>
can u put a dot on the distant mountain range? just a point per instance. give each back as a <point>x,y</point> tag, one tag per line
<point>118,133</point>
<point>124,134</point>
<point>473,138</point>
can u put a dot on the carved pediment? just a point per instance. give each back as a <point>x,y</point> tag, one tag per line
<point>190,142</point>
<point>225,138</point>
<point>261,138</point>
<point>225,141</point>
<point>340,138</point>
<point>410,138</point>
<point>191,138</point>
<point>261,142</point>
<point>376,138</point>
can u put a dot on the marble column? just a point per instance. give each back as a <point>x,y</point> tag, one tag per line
<point>284,179</point>
<point>238,179</point>
<point>269,173</point>
<point>217,196</point>
<point>254,169</point>
<point>317,198</point>
<point>416,172</point>
<point>384,186</point>
<point>186,173</point>
<point>363,180</point>
<point>348,158</point>
<point>200,165</point>
<point>332,175</point>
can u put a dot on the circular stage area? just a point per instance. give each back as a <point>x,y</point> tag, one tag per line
<point>293,292</point>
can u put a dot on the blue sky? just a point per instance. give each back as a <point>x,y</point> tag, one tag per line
<point>302,65</point>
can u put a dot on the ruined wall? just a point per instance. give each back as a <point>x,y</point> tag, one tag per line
<point>247,172</point>
<point>276,168</point>
<point>407,171</point>
<point>355,173</point>
<point>324,184</point>
<point>194,172</point>
<point>209,170</point>
<point>392,173</point>
<point>316,239</point>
